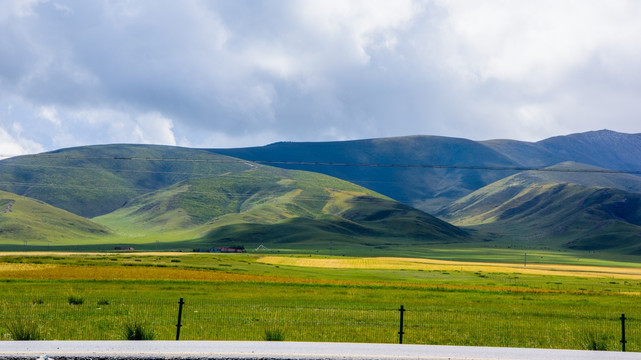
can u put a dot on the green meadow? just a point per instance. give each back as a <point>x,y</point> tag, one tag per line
<point>296,298</point>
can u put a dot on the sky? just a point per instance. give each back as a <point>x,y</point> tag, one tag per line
<point>235,73</point>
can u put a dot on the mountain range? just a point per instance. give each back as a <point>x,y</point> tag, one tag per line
<point>429,172</point>
<point>580,191</point>
<point>144,194</point>
<point>473,184</point>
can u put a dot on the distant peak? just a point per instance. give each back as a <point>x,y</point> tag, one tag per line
<point>601,133</point>
<point>596,136</point>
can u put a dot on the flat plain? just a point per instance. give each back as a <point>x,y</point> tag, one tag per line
<point>305,297</point>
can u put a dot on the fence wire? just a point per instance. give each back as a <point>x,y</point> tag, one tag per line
<point>96,318</point>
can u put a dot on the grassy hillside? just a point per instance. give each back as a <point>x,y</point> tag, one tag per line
<point>276,207</point>
<point>420,185</point>
<point>539,208</point>
<point>30,222</point>
<point>168,194</point>
<point>443,169</point>
<point>95,180</point>
<point>490,197</point>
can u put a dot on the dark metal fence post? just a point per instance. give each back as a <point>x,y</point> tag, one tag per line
<point>400,333</point>
<point>623,341</point>
<point>180,315</point>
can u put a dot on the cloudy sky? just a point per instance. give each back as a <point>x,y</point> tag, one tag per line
<point>242,73</point>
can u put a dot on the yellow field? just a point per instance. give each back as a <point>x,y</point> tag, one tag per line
<point>428,264</point>
<point>50,271</point>
<point>47,272</point>
<point>12,269</point>
<point>71,272</point>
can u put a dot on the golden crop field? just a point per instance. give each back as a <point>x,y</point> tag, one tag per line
<point>390,263</point>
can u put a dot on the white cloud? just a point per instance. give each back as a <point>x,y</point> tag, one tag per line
<point>572,61</point>
<point>153,128</point>
<point>14,145</point>
<point>358,25</point>
<point>17,8</point>
<point>50,114</point>
<point>223,140</point>
<point>63,8</point>
<point>537,42</point>
<point>116,126</point>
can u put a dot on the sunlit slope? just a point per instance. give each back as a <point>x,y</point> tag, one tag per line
<point>430,172</point>
<point>488,200</point>
<point>269,205</point>
<point>95,180</point>
<point>27,221</point>
<point>541,207</point>
<point>427,188</point>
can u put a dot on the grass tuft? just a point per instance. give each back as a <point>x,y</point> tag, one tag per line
<point>24,329</point>
<point>138,330</point>
<point>274,334</point>
<point>75,300</point>
<point>594,341</point>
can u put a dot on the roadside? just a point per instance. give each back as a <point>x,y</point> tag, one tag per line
<point>281,350</point>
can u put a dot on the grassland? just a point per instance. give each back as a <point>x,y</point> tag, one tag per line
<point>322,298</point>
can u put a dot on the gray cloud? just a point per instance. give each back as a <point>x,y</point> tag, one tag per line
<point>232,73</point>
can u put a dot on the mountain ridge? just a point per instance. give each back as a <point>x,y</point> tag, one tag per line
<point>154,188</point>
<point>434,171</point>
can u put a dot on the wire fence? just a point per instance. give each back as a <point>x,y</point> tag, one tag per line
<point>95,318</point>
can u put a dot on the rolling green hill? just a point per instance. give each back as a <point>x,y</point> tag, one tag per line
<point>372,164</point>
<point>276,207</point>
<point>151,194</point>
<point>489,198</point>
<point>427,172</point>
<point>95,180</point>
<point>162,193</point>
<point>27,221</point>
<point>556,209</point>
<point>431,172</point>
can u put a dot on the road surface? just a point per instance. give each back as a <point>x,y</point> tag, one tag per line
<point>282,351</point>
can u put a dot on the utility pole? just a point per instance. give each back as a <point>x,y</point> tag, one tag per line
<point>525,260</point>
